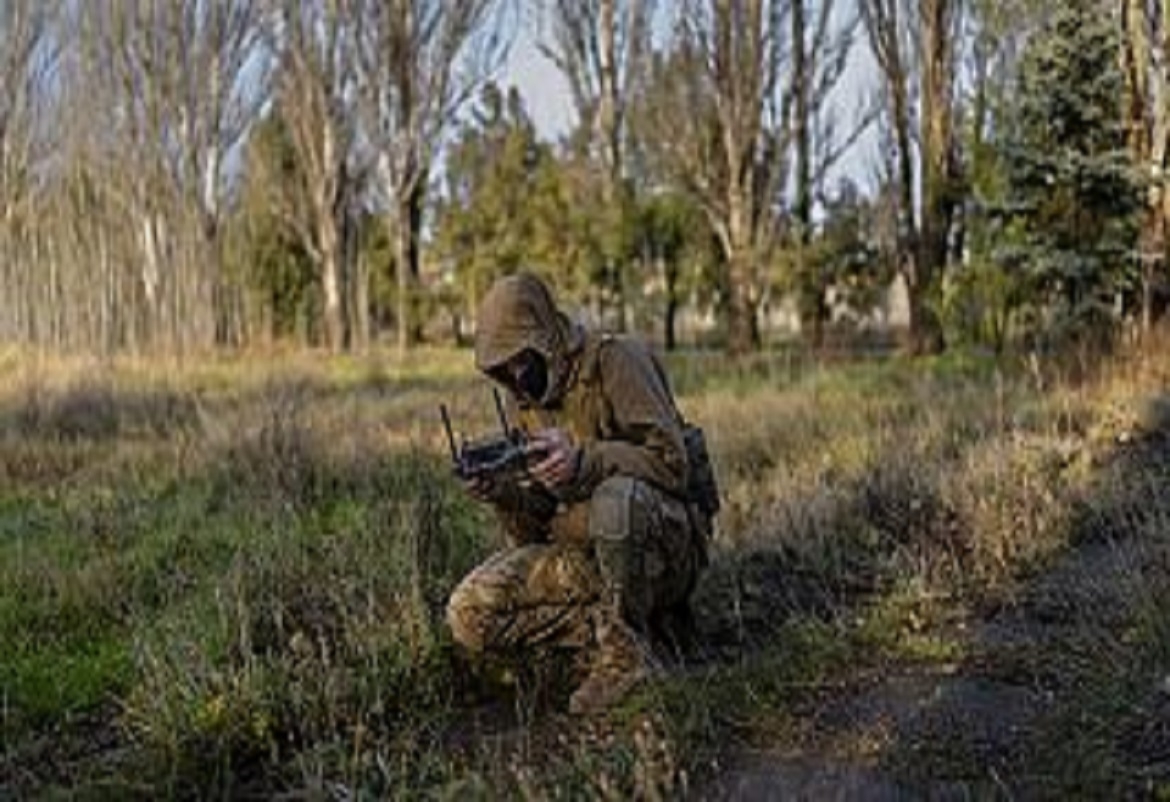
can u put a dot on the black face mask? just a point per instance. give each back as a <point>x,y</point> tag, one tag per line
<point>530,375</point>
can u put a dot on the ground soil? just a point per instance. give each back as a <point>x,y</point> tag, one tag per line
<point>950,730</point>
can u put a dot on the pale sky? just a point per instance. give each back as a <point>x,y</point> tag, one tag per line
<point>543,86</point>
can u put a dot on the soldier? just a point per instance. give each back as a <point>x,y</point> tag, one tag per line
<point>605,544</point>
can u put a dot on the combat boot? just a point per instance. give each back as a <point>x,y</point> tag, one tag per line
<point>621,661</point>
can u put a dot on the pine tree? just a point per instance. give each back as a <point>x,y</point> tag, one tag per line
<point>484,221</point>
<point>1071,182</point>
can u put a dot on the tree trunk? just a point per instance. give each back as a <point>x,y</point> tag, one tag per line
<point>1162,134</point>
<point>814,313</point>
<point>1144,60</point>
<point>669,274</point>
<point>609,126</point>
<point>936,139</point>
<point>921,246</point>
<point>812,306</point>
<point>359,299</point>
<point>909,257</point>
<point>1149,273</point>
<point>333,312</point>
<point>741,330</point>
<point>741,276</point>
<point>406,225</point>
<point>1152,253</point>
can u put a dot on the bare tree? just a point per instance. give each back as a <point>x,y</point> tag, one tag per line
<point>223,86</point>
<point>29,50</point>
<point>419,62</point>
<point>915,45</point>
<point>180,82</point>
<point>820,50</point>
<point>315,84</point>
<point>716,122</point>
<point>1146,60</point>
<point>601,46</point>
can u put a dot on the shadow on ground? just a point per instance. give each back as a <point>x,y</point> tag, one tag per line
<point>1059,689</point>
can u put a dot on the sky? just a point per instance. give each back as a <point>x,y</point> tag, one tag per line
<point>543,86</point>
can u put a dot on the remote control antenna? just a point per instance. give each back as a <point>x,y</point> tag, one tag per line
<point>500,411</point>
<point>450,434</point>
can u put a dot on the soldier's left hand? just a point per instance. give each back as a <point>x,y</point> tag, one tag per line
<point>560,459</point>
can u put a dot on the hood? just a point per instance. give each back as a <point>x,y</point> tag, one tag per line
<point>517,313</point>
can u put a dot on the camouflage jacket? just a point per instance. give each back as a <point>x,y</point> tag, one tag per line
<point>608,392</point>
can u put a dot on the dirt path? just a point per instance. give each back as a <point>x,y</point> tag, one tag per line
<point>863,737</point>
<point>957,730</point>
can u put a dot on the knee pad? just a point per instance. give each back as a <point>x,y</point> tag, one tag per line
<point>465,619</point>
<point>618,517</point>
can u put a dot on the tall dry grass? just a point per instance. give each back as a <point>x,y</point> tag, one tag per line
<point>239,563</point>
<point>242,575</point>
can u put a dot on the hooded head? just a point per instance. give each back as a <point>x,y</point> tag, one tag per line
<point>520,326</point>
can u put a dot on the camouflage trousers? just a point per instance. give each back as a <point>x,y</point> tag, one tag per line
<point>556,594</point>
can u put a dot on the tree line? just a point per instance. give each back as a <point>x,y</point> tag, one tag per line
<point>192,174</point>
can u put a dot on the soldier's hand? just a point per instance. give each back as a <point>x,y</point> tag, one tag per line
<point>559,458</point>
<point>483,489</point>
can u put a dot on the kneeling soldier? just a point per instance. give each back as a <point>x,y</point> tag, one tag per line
<point>606,544</point>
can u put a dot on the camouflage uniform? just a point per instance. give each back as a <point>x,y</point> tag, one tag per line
<point>598,564</point>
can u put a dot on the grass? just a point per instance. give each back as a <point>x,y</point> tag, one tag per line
<point>224,576</point>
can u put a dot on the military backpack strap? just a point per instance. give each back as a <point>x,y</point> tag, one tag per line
<point>702,487</point>
<point>591,356</point>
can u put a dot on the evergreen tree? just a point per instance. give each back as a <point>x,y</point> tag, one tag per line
<point>511,202</point>
<point>483,221</point>
<point>984,295</point>
<point>677,254</point>
<point>1072,186</point>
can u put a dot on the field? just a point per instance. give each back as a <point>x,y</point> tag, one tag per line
<point>225,577</point>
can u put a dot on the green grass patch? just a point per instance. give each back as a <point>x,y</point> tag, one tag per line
<point>910,625</point>
<point>47,683</point>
